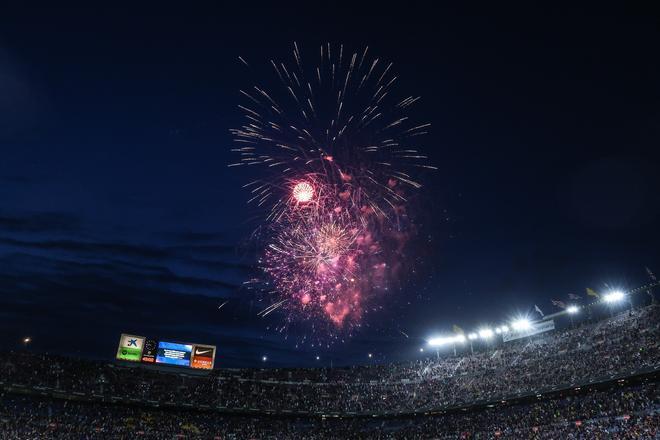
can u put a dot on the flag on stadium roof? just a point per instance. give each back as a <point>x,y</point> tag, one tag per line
<point>592,292</point>
<point>538,310</point>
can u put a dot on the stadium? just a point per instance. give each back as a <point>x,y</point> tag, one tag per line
<point>595,379</point>
<point>265,220</point>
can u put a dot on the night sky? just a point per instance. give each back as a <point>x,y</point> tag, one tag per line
<point>118,212</point>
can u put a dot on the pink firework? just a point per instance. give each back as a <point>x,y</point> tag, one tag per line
<point>339,157</point>
<point>338,117</point>
<point>303,192</point>
<point>317,265</point>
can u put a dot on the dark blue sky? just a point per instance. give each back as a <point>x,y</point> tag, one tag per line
<point>118,213</point>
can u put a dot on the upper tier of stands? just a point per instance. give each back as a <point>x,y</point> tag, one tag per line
<point>622,346</point>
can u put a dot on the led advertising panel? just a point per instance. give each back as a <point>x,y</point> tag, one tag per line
<point>203,357</point>
<point>150,351</point>
<point>172,353</point>
<point>153,351</point>
<point>130,348</point>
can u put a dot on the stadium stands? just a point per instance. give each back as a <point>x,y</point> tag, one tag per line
<point>592,381</point>
<point>617,413</point>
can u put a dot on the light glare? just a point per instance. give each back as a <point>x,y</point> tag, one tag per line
<point>485,333</point>
<point>614,296</point>
<point>521,324</point>
<point>445,340</point>
<point>573,309</point>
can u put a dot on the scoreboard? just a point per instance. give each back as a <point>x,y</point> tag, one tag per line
<point>151,351</point>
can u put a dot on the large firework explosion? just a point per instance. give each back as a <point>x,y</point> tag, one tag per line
<point>338,158</point>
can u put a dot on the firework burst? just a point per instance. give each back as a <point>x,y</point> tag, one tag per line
<point>338,156</point>
<point>340,119</point>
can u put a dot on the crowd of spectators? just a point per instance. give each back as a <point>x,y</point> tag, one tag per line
<point>617,412</point>
<point>619,346</point>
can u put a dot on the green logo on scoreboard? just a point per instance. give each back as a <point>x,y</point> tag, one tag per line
<point>130,348</point>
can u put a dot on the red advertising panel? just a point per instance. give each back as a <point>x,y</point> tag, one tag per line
<point>203,357</point>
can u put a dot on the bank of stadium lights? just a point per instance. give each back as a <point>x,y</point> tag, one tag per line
<point>264,358</point>
<point>502,329</point>
<point>521,324</point>
<point>486,333</point>
<point>446,340</point>
<point>370,355</point>
<point>614,296</point>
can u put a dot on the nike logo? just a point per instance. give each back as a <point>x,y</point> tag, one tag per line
<point>203,351</point>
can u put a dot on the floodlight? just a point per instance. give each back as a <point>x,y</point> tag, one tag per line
<point>614,296</point>
<point>498,330</point>
<point>485,333</point>
<point>444,340</point>
<point>572,309</point>
<point>473,336</point>
<point>521,324</point>
<point>504,329</point>
<point>436,342</point>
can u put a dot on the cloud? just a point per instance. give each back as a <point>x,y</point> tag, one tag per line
<point>76,289</point>
<point>41,222</point>
<point>57,280</point>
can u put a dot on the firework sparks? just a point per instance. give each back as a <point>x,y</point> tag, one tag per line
<point>339,157</point>
<point>303,192</point>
